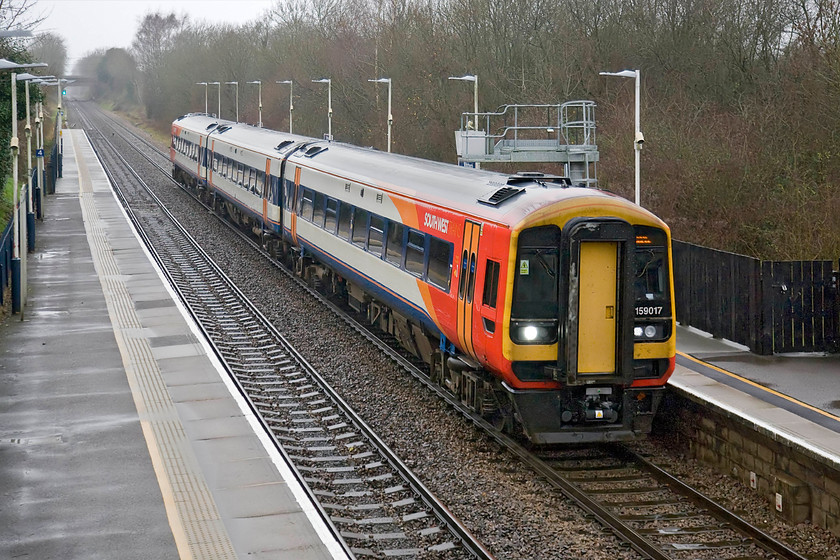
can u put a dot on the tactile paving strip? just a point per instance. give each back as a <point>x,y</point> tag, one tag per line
<point>198,530</point>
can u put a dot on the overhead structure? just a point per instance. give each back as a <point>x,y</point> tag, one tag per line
<point>563,133</point>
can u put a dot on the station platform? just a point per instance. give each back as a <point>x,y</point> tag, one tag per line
<point>120,434</point>
<point>794,398</point>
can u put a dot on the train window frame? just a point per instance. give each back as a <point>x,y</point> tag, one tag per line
<point>376,235</point>
<point>307,204</point>
<point>395,243</point>
<point>345,211</point>
<point>471,281</point>
<point>359,233</point>
<point>492,270</point>
<point>289,203</point>
<point>412,247</point>
<point>331,213</point>
<point>437,265</point>
<point>318,209</point>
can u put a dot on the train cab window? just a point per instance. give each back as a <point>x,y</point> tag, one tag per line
<point>345,212</point>
<point>331,215</point>
<point>440,263</point>
<point>491,284</point>
<point>307,204</point>
<point>318,214</point>
<point>394,245</point>
<point>415,252</point>
<point>376,234</point>
<point>535,284</point>
<point>360,226</point>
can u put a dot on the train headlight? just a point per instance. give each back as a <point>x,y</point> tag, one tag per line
<point>533,332</point>
<point>650,332</point>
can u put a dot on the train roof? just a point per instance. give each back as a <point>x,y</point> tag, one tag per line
<point>487,195</point>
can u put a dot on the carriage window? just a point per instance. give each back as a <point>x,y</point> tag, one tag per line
<point>376,234</point>
<point>345,211</point>
<point>331,215</point>
<point>394,246</point>
<point>440,263</point>
<point>415,252</point>
<point>290,194</point>
<point>318,216</point>
<point>307,203</point>
<point>360,224</point>
<point>491,284</point>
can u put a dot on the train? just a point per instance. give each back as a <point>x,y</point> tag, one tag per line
<point>546,307</point>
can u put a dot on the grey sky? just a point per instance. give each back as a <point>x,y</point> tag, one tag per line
<point>87,25</point>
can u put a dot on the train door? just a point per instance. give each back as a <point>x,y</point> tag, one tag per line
<point>203,152</point>
<point>599,322</point>
<point>597,306</point>
<point>466,285</point>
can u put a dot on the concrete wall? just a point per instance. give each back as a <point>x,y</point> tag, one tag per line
<point>798,484</point>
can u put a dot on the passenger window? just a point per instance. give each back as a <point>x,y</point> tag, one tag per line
<point>306,204</point>
<point>491,284</point>
<point>290,194</point>
<point>462,282</point>
<point>376,234</point>
<point>440,263</point>
<point>471,288</point>
<point>331,215</point>
<point>394,246</point>
<point>345,212</point>
<point>318,216</point>
<point>360,224</point>
<point>415,252</point>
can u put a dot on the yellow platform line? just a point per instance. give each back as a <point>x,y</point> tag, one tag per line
<point>191,511</point>
<point>759,386</point>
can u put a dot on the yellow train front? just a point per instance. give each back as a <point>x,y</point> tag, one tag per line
<point>588,339</point>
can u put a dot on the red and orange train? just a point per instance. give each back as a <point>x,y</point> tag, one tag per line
<point>544,306</point>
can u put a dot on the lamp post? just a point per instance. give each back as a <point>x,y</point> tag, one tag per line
<point>259,84</point>
<point>291,103</point>
<point>219,114</point>
<point>237,98</point>
<point>639,138</point>
<point>205,94</point>
<point>390,116</point>
<point>328,81</point>
<point>14,145</point>
<point>474,79</point>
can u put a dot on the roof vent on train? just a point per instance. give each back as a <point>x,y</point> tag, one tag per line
<point>224,128</point>
<point>211,126</point>
<point>283,145</point>
<point>540,178</point>
<point>494,198</point>
<point>313,151</point>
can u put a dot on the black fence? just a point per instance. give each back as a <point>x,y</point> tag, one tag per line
<point>5,261</point>
<point>769,306</point>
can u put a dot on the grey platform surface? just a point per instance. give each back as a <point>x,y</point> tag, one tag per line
<point>119,436</point>
<point>796,397</point>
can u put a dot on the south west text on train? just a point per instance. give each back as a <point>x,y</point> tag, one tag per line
<point>545,307</point>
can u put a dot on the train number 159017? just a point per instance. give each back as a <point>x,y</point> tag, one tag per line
<point>653,310</point>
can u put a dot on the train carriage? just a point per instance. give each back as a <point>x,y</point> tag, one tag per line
<point>544,306</point>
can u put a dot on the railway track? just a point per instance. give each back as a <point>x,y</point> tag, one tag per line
<point>372,500</point>
<point>654,513</point>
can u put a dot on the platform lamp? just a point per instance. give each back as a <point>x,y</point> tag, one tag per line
<point>390,116</point>
<point>291,100</point>
<point>474,79</point>
<point>237,97</point>
<point>219,114</point>
<point>327,81</point>
<point>205,84</point>
<point>14,144</point>
<point>259,98</point>
<point>639,139</point>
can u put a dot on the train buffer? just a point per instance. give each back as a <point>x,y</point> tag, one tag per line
<point>563,133</point>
